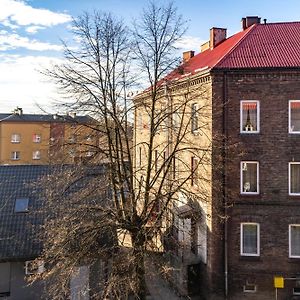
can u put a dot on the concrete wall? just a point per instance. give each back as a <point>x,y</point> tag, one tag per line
<point>13,281</point>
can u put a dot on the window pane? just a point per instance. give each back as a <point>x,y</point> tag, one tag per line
<point>295,240</point>
<point>194,121</point>
<point>295,178</point>
<point>21,205</point>
<point>249,116</point>
<point>295,116</point>
<point>250,239</point>
<point>249,173</point>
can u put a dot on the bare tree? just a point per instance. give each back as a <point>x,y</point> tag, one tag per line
<point>137,200</point>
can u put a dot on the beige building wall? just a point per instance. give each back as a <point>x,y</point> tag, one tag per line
<point>30,148</point>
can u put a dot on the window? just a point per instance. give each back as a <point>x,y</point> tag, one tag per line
<point>36,154</point>
<point>194,171</point>
<point>36,138</point>
<point>15,138</point>
<point>296,291</point>
<point>294,240</point>
<point>155,160</point>
<point>21,205</point>
<point>294,178</point>
<point>194,120</point>
<point>249,287</point>
<point>249,117</point>
<point>294,116</point>
<point>34,267</point>
<point>15,155</point>
<point>250,239</point>
<point>249,177</point>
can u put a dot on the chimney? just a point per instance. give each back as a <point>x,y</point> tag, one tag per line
<point>187,55</point>
<point>217,35</point>
<point>249,21</point>
<point>18,111</point>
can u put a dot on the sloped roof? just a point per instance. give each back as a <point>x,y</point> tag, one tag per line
<point>19,231</point>
<point>6,117</point>
<point>273,45</point>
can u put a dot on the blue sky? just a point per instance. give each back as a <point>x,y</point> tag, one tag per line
<point>30,34</point>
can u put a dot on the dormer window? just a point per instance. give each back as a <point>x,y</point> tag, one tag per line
<point>249,117</point>
<point>21,205</point>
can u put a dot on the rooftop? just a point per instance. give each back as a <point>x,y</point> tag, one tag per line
<point>269,45</point>
<point>19,116</point>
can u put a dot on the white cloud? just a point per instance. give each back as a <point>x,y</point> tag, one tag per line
<point>20,13</point>
<point>22,84</point>
<point>12,41</point>
<point>34,29</point>
<point>190,43</point>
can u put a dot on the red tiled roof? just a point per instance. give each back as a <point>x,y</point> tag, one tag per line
<point>259,46</point>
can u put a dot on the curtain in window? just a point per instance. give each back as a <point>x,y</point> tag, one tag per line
<point>194,121</point>
<point>295,178</point>
<point>249,116</point>
<point>250,238</point>
<point>249,177</point>
<point>295,116</point>
<point>295,240</point>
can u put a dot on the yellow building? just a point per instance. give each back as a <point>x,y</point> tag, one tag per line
<point>44,139</point>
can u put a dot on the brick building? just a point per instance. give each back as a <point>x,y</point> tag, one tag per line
<point>42,139</point>
<point>252,81</point>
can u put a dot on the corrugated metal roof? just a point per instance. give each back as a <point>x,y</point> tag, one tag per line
<point>259,46</point>
<point>266,46</point>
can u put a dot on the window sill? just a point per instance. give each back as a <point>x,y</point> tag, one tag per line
<point>250,257</point>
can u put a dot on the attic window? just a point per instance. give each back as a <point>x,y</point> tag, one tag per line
<point>21,205</point>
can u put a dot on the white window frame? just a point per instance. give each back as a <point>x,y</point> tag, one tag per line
<point>15,138</point>
<point>14,155</point>
<point>241,117</point>
<point>292,163</point>
<point>290,241</point>
<point>257,240</point>
<point>36,155</point>
<point>241,177</point>
<point>37,138</point>
<point>246,288</point>
<point>289,129</point>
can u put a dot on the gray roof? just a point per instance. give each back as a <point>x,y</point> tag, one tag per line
<point>19,231</point>
<point>4,117</point>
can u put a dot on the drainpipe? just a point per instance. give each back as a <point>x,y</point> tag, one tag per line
<point>224,182</point>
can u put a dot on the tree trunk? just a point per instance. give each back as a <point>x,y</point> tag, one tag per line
<point>138,243</point>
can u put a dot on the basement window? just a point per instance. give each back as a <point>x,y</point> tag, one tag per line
<point>249,122</point>
<point>296,291</point>
<point>249,287</point>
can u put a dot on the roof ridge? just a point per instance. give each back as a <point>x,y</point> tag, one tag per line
<point>235,46</point>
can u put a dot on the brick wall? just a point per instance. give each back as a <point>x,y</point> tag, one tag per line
<point>273,148</point>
